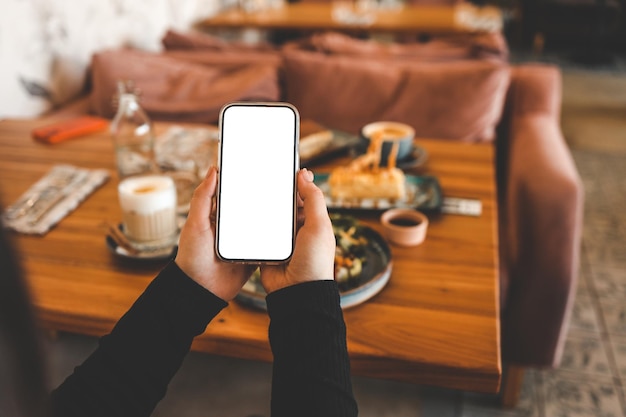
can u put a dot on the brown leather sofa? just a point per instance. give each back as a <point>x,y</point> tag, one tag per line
<point>541,214</point>
<point>454,88</point>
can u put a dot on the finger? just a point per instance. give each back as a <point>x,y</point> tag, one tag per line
<point>314,202</point>
<point>210,171</point>
<point>201,202</point>
<point>300,211</point>
<point>299,219</point>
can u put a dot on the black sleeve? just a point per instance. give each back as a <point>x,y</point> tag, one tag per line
<point>128,374</point>
<point>311,365</point>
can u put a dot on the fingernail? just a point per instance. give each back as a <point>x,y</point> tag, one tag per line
<point>308,175</point>
<point>212,169</point>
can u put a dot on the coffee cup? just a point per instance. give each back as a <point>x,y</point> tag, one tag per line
<point>390,133</point>
<point>404,227</point>
<point>148,206</point>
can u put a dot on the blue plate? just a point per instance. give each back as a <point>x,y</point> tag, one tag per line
<point>372,279</point>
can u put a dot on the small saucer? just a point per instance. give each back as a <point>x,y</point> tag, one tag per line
<point>156,254</point>
<point>404,227</point>
<point>147,253</point>
<point>417,158</point>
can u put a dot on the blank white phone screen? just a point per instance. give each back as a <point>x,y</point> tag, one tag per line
<point>258,166</point>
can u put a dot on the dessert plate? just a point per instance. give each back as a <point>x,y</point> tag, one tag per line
<point>340,143</point>
<point>423,193</point>
<point>372,278</point>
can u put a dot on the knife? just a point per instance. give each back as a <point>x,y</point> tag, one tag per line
<point>79,179</point>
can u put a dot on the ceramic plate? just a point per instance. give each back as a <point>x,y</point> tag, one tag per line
<point>422,193</point>
<point>157,254</point>
<point>341,143</point>
<point>372,279</point>
<point>161,253</point>
<point>416,159</point>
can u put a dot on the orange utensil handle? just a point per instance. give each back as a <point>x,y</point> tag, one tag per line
<point>68,129</point>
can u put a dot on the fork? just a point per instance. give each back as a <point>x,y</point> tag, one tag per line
<point>56,182</point>
<point>77,180</point>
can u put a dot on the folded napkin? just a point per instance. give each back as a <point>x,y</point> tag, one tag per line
<point>52,198</point>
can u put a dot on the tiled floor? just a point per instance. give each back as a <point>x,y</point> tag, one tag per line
<point>592,378</point>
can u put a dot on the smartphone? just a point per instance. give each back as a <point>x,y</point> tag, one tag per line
<point>256,201</point>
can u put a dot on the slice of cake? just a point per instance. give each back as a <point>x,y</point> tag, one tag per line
<point>365,178</point>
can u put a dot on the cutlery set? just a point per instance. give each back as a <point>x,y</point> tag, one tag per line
<point>48,200</point>
<point>53,187</point>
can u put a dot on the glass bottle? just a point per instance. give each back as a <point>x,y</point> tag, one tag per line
<point>133,135</point>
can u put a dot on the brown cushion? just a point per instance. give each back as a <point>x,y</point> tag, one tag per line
<point>177,89</point>
<point>459,100</point>
<point>446,47</point>
<point>226,61</point>
<point>200,41</point>
<point>338,92</point>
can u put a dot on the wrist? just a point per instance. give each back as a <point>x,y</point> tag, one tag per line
<point>280,284</point>
<point>201,280</point>
<point>310,295</point>
<point>185,294</point>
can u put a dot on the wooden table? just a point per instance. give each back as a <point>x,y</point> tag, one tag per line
<point>312,16</point>
<point>436,322</point>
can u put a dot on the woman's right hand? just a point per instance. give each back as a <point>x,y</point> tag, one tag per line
<point>314,253</point>
<point>196,250</point>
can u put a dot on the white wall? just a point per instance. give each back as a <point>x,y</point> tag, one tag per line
<point>46,45</point>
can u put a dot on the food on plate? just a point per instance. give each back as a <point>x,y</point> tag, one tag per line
<point>350,252</point>
<point>365,178</point>
<point>313,139</point>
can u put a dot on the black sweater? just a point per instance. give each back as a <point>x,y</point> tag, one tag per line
<point>129,372</point>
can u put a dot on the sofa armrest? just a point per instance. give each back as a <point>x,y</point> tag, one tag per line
<point>543,227</point>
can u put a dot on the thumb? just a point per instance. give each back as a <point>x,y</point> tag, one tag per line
<point>315,209</point>
<point>201,202</point>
